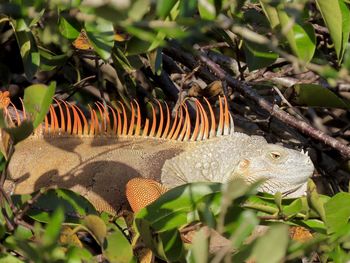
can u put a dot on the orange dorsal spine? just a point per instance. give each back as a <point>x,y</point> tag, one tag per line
<point>105,120</point>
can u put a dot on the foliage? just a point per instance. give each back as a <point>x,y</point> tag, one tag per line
<point>58,225</point>
<point>225,214</point>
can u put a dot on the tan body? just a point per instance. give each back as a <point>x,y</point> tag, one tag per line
<point>97,159</point>
<point>97,168</point>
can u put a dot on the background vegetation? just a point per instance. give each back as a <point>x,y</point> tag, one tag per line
<point>286,65</point>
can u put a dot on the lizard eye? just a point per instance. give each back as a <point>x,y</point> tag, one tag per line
<point>275,155</point>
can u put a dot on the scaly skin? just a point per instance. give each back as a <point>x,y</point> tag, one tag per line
<point>99,168</point>
<point>97,158</point>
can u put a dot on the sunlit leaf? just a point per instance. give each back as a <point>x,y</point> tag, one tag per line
<point>68,27</point>
<point>53,227</point>
<point>301,36</point>
<point>28,48</point>
<point>37,100</point>
<point>114,240</point>
<point>317,96</point>
<point>314,200</point>
<point>337,212</point>
<point>272,246</point>
<point>199,249</point>
<point>171,209</point>
<point>97,227</point>
<point>8,258</point>
<point>336,16</point>
<point>101,37</point>
<point>164,7</point>
<point>206,9</point>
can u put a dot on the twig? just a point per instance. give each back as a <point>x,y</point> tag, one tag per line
<point>248,92</point>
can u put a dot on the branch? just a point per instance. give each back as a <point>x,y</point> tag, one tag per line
<point>248,91</point>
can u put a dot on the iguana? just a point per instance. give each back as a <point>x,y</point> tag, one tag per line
<point>97,158</point>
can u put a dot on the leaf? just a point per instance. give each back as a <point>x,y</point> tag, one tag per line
<point>97,227</point>
<point>21,132</point>
<point>242,227</point>
<point>138,9</point>
<point>8,258</point>
<point>199,249</point>
<point>337,212</point>
<point>50,61</point>
<point>5,139</point>
<point>317,96</point>
<point>101,37</point>
<point>117,248</point>
<point>207,9</point>
<point>258,56</point>
<point>75,206</point>
<point>69,237</point>
<point>188,8</point>
<point>314,200</point>
<point>171,209</point>
<point>336,16</point>
<point>272,246</point>
<point>53,228</point>
<point>164,7</point>
<point>28,48</point>
<point>271,14</point>
<point>155,59</point>
<point>301,36</point>
<point>170,246</point>
<point>68,27</point>
<point>37,100</point>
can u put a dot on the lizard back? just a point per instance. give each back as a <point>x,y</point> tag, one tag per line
<point>97,158</point>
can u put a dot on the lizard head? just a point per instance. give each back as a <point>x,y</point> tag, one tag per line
<point>283,169</point>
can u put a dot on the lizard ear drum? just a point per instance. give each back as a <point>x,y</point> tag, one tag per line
<point>140,192</point>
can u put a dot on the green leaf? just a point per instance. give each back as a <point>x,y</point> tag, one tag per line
<point>138,9</point>
<point>242,227</point>
<point>21,132</point>
<point>75,206</point>
<point>166,245</point>
<point>155,59</point>
<point>77,254</point>
<point>314,200</point>
<point>170,245</point>
<point>53,228</point>
<point>207,9</point>
<point>8,258</point>
<point>301,36</point>
<point>188,8</point>
<point>258,56</point>
<point>37,100</point>
<point>101,37</point>
<point>171,209</point>
<point>317,96</point>
<point>28,48</point>
<point>97,228</point>
<point>271,14</point>
<point>115,240</point>
<point>164,7</point>
<point>199,249</point>
<point>337,212</point>
<point>51,61</point>
<point>272,246</point>
<point>68,27</point>
<point>336,16</point>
